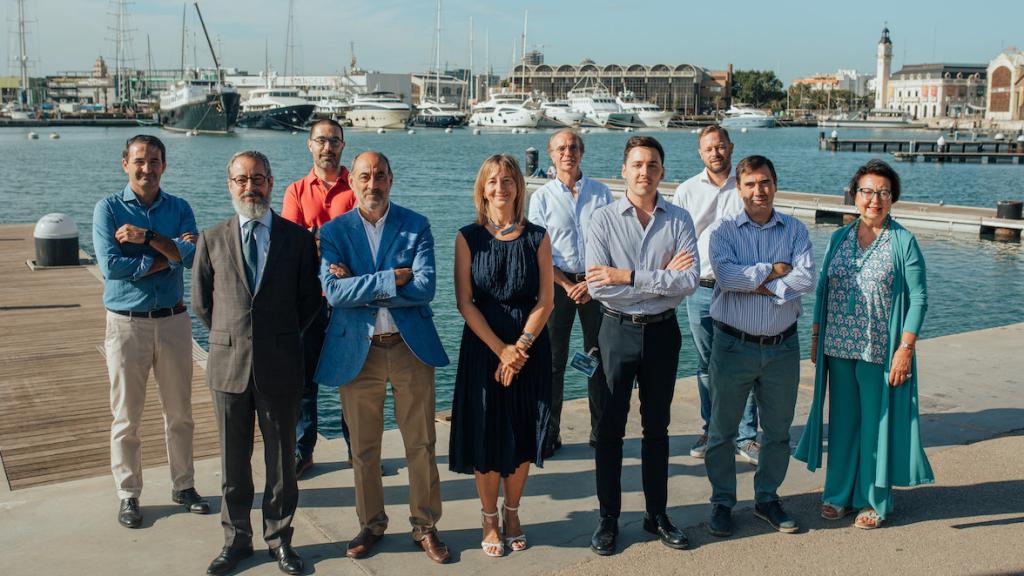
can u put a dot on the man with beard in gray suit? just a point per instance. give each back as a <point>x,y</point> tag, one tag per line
<point>255,287</point>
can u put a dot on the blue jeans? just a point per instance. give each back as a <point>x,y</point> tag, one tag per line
<point>698,309</point>
<point>772,373</point>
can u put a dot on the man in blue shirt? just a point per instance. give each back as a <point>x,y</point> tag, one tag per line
<point>564,206</point>
<point>144,238</point>
<point>763,264</point>
<point>641,262</point>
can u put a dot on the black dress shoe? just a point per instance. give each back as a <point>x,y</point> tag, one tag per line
<point>227,560</point>
<point>773,514</point>
<point>720,523</point>
<point>662,526</point>
<point>129,515</point>
<point>303,463</point>
<point>288,560</point>
<point>193,502</point>
<point>603,540</point>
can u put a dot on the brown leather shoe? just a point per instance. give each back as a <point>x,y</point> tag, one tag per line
<point>435,549</point>
<point>360,545</point>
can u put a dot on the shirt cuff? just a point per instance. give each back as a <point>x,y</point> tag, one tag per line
<point>145,263</point>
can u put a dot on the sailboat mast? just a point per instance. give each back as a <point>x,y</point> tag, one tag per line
<point>472,85</point>
<point>183,8</point>
<point>216,63</point>
<point>522,86</point>
<point>437,56</point>
<point>24,97</point>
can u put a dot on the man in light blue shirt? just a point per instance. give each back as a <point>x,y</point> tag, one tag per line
<point>144,238</point>
<point>763,264</point>
<point>564,207</point>
<point>641,262</point>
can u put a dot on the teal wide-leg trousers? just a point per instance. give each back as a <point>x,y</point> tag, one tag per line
<point>855,400</point>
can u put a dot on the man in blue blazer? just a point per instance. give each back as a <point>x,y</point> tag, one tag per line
<point>377,272</point>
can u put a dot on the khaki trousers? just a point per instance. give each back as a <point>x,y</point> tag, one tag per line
<point>412,384</point>
<point>133,347</point>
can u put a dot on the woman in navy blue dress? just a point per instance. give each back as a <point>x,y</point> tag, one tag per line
<point>504,290</point>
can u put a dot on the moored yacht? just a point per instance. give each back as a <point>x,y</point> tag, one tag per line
<point>200,105</point>
<point>509,110</point>
<point>744,117</point>
<point>379,110</point>
<point>431,114</point>
<point>558,114</point>
<point>276,109</point>
<point>590,98</point>
<point>649,113</point>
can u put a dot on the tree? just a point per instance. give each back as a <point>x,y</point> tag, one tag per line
<point>757,87</point>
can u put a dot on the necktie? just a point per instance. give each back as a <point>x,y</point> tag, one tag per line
<point>249,252</point>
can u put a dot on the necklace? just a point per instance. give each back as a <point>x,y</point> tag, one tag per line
<point>502,231</point>
<point>865,255</point>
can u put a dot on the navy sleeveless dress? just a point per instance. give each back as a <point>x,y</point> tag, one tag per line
<point>496,428</point>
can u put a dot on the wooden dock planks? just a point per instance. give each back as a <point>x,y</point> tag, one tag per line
<point>54,390</point>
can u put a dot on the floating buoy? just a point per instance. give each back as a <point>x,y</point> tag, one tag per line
<point>999,136</point>
<point>188,134</point>
<point>694,131</point>
<point>629,129</point>
<point>743,130</point>
<point>476,131</point>
<point>586,130</point>
<point>294,132</point>
<point>33,136</point>
<point>411,131</point>
<point>54,136</point>
<point>195,132</point>
<point>381,130</point>
<point>448,130</point>
<point>834,134</point>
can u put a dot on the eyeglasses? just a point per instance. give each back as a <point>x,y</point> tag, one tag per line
<point>882,193</point>
<point>572,149</point>
<point>256,181</point>
<point>321,141</point>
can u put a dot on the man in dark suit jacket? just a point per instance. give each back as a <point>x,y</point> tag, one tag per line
<point>256,360</point>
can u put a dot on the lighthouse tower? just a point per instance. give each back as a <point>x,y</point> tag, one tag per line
<point>882,75</point>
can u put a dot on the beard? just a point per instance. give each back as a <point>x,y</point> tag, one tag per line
<point>252,210</point>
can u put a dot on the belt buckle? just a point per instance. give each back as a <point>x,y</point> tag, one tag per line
<point>637,319</point>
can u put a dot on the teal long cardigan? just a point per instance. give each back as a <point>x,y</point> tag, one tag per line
<point>901,460</point>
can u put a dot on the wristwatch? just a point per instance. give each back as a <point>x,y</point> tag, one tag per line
<point>905,346</point>
<point>150,235</point>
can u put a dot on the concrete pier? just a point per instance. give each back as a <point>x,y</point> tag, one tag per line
<point>968,522</point>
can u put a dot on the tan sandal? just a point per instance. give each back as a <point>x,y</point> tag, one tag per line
<point>492,549</point>
<point>833,512</point>
<point>514,543</point>
<point>868,519</point>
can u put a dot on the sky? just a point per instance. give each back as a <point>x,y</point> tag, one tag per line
<point>793,38</point>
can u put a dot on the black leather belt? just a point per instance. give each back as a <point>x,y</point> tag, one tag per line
<point>575,276</point>
<point>158,313</point>
<point>762,340</point>
<point>638,318</point>
<point>386,338</point>
<point>707,282</point>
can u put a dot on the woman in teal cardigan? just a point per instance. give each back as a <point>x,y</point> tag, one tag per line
<point>871,300</point>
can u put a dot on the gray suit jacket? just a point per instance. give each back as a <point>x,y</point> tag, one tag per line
<point>257,335</point>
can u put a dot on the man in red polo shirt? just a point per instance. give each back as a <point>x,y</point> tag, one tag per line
<point>312,202</point>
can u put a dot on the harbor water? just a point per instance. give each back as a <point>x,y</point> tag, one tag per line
<point>973,283</point>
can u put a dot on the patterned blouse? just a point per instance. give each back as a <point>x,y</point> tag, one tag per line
<point>860,299</point>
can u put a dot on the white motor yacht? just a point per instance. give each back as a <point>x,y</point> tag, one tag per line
<point>590,98</point>
<point>275,109</point>
<point>509,110</point>
<point>744,117</point>
<point>649,113</point>
<point>379,110</point>
<point>558,114</point>
<point>438,114</point>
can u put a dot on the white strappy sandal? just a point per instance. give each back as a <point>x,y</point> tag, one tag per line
<point>514,543</point>
<point>492,549</point>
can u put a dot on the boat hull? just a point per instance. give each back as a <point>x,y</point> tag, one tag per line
<point>437,121</point>
<point>378,118</point>
<point>283,118</point>
<point>218,114</point>
<point>765,122</point>
<point>658,119</point>
<point>501,119</point>
<point>620,120</point>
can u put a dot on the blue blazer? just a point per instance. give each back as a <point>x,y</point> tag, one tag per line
<point>405,243</point>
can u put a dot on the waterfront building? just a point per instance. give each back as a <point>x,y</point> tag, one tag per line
<point>1006,86</point>
<point>842,79</point>
<point>676,87</point>
<point>938,90</point>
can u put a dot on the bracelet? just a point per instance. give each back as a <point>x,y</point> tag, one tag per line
<point>905,346</point>
<point>527,338</point>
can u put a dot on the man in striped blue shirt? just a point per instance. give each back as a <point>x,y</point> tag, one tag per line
<point>763,264</point>
<point>641,262</point>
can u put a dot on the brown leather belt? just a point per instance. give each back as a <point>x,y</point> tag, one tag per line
<point>762,340</point>
<point>707,282</point>
<point>386,338</point>
<point>575,276</point>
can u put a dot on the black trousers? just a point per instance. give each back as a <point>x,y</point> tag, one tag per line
<point>560,331</point>
<point>236,415</point>
<point>647,354</point>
